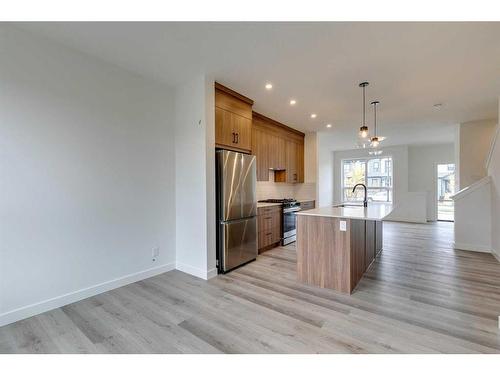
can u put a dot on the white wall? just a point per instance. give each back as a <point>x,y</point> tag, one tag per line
<point>475,142</point>
<point>458,184</point>
<point>422,171</point>
<point>195,177</point>
<point>86,176</point>
<point>494,172</point>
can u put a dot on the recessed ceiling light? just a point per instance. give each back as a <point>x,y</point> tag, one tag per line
<point>293,102</point>
<point>314,115</point>
<point>269,86</point>
<point>438,106</point>
<point>328,125</point>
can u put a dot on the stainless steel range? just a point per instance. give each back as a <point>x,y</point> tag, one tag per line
<point>289,228</point>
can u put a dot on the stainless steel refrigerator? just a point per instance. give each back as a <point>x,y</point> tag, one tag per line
<point>236,178</point>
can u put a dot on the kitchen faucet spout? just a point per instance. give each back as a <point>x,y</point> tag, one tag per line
<point>365,200</point>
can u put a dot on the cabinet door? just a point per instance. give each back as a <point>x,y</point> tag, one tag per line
<point>300,162</point>
<point>260,148</point>
<point>378,237</point>
<point>232,130</point>
<point>291,162</point>
<point>370,243</point>
<point>277,225</point>
<point>242,127</point>
<point>277,152</point>
<point>224,128</point>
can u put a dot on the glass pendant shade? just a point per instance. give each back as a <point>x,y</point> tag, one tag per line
<point>375,142</point>
<point>363,131</point>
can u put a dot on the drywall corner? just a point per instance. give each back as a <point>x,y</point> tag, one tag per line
<point>195,176</point>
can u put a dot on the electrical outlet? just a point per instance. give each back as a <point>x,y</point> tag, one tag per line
<point>155,253</point>
<point>343,225</point>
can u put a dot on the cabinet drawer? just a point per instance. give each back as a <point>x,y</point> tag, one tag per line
<point>268,210</point>
<point>265,239</point>
<point>269,221</point>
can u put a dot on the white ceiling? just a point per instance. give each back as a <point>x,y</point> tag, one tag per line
<point>410,67</point>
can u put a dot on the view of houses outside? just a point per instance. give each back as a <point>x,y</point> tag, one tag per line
<point>445,189</point>
<point>376,173</point>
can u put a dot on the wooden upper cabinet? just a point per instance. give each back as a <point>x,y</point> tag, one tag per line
<point>260,148</point>
<point>300,162</point>
<point>243,132</point>
<point>292,175</point>
<point>233,120</point>
<point>224,132</point>
<point>277,147</point>
<point>295,161</point>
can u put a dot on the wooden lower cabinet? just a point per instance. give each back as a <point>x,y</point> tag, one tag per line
<point>370,242</point>
<point>378,237</point>
<point>269,227</point>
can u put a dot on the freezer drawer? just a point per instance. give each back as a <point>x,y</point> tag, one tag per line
<point>238,243</point>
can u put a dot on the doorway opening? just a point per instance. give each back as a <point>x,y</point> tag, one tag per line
<point>445,189</point>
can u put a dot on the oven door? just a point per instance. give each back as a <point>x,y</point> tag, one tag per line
<point>289,222</point>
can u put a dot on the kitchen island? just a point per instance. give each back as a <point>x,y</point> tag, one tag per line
<point>336,245</point>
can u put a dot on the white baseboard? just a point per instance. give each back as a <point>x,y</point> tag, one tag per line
<point>65,299</point>
<point>211,273</point>
<point>470,247</point>
<point>194,271</point>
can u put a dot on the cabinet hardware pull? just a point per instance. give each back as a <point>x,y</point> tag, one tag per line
<point>237,137</point>
<point>234,137</point>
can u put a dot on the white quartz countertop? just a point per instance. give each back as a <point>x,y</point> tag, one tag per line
<point>374,211</point>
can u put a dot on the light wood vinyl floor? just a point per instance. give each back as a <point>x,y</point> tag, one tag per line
<point>419,296</point>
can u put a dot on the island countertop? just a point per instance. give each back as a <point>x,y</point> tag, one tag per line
<point>374,211</point>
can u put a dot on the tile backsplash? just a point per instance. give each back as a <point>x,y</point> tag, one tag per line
<point>267,190</point>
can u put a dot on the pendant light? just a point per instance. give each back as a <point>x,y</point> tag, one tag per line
<point>363,130</point>
<point>375,141</point>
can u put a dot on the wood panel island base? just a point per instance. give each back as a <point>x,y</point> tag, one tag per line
<point>336,245</point>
